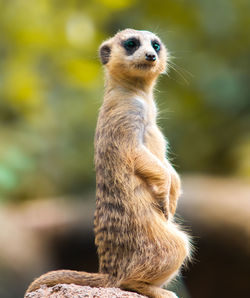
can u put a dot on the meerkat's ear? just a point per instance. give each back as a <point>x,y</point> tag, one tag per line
<point>105,51</point>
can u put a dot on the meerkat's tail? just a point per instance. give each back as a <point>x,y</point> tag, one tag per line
<point>82,278</point>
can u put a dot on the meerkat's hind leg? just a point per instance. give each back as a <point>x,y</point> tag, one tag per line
<point>146,289</point>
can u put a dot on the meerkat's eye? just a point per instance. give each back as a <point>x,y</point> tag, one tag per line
<point>131,45</point>
<point>156,46</point>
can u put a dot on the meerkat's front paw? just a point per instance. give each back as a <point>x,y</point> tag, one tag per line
<point>163,206</point>
<point>160,191</point>
<point>161,188</point>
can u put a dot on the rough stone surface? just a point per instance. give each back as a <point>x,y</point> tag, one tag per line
<point>74,291</point>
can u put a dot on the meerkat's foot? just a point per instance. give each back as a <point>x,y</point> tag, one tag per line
<point>170,294</point>
<point>148,290</point>
<point>161,293</point>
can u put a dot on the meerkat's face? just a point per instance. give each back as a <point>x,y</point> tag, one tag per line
<point>132,53</point>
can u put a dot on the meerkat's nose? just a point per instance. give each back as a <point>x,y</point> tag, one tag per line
<point>150,57</point>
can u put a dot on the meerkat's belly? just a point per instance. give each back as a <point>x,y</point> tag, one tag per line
<point>155,141</point>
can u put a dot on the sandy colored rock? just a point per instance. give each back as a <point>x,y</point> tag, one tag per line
<point>74,291</point>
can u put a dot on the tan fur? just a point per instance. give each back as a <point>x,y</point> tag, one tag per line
<point>139,246</point>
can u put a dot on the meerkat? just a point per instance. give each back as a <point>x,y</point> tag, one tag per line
<point>140,248</point>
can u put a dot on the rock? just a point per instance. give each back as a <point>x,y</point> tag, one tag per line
<point>71,290</point>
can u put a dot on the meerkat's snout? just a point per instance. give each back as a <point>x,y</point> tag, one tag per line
<point>150,57</point>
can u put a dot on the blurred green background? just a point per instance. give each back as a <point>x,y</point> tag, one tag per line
<point>51,87</point>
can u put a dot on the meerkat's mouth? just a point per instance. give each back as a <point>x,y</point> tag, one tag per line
<point>143,65</point>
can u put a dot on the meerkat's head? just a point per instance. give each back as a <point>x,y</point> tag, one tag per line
<point>134,54</point>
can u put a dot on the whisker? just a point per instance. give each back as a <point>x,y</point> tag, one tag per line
<point>182,68</point>
<point>180,71</point>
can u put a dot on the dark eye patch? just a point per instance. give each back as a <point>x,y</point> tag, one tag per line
<point>131,45</point>
<point>156,45</point>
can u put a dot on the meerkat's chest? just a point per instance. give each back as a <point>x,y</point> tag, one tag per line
<point>153,138</point>
<point>155,141</point>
